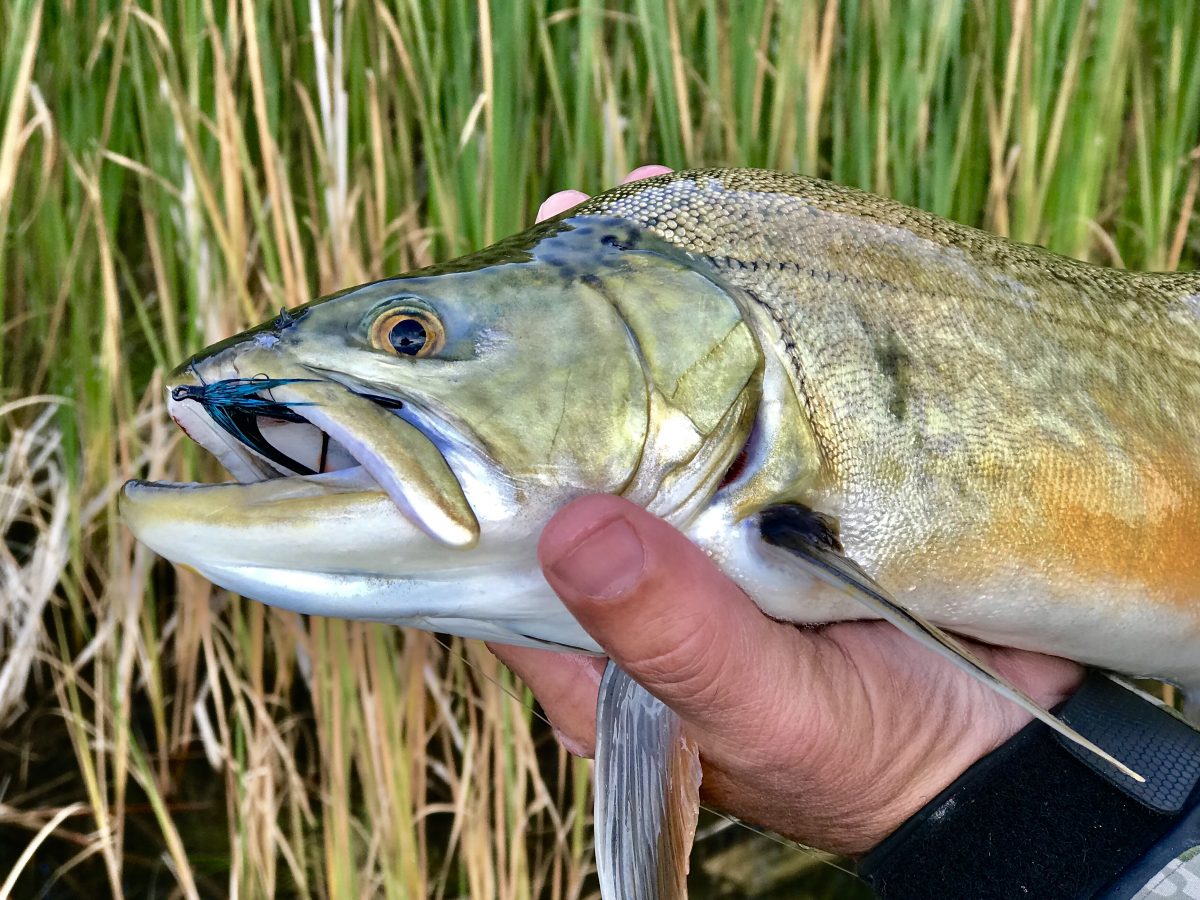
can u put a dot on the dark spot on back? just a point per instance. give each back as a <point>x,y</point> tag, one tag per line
<point>895,364</point>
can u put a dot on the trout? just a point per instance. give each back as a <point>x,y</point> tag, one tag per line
<point>858,409</point>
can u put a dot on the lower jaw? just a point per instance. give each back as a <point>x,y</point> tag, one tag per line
<point>335,521</point>
<point>510,604</point>
<point>334,545</point>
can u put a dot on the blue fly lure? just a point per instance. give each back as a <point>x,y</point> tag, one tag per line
<point>236,404</point>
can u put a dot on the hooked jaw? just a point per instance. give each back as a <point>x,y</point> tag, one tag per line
<point>343,506</point>
<point>292,427</point>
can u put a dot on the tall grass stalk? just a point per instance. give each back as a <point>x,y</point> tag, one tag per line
<point>171,172</point>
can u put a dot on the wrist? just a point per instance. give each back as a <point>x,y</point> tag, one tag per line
<point>1039,817</point>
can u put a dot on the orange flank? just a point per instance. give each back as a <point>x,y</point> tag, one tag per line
<point>1103,526</point>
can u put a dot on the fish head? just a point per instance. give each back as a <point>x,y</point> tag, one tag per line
<point>397,447</point>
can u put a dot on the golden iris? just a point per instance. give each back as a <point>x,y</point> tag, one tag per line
<point>408,332</point>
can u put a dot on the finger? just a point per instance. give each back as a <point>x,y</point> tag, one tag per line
<point>645,172</point>
<point>566,685</point>
<point>559,203</point>
<point>665,613</point>
<point>564,200</point>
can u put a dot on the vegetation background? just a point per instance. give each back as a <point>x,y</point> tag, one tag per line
<point>174,170</point>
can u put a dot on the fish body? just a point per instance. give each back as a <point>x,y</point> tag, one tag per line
<point>856,408</point>
<point>1007,438</point>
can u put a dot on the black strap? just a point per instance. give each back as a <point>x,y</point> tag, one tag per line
<point>1033,819</point>
<point>1134,729</point>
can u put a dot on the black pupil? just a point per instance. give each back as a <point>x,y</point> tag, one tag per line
<point>408,336</point>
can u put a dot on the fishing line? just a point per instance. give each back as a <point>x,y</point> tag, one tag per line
<point>731,820</point>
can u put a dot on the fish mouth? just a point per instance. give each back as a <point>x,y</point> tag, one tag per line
<point>301,427</point>
<point>353,504</point>
<point>271,438</point>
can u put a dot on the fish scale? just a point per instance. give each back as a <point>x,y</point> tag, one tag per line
<point>856,409</point>
<point>1032,430</point>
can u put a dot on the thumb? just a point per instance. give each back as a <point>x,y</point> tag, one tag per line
<point>665,613</point>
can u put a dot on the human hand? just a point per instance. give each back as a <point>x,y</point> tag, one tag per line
<point>832,736</point>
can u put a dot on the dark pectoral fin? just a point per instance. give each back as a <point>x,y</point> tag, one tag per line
<point>812,538</point>
<point>647,793</point>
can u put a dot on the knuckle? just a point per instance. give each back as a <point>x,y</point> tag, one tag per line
<point>687,661</point>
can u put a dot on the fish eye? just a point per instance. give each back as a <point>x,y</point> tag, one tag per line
<point>407,331</point>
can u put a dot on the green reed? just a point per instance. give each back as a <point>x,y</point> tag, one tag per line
<point>174,170</point>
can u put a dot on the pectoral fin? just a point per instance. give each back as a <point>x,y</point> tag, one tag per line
<point>647,793</point>
<point>812,538</point>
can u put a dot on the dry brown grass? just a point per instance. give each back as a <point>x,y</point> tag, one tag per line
<point>173,171</point>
